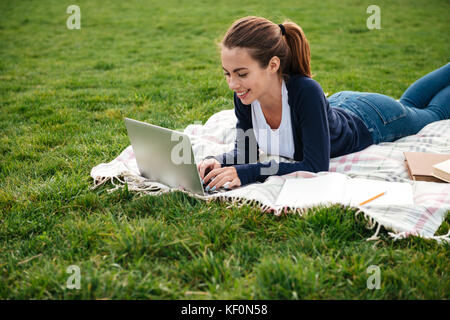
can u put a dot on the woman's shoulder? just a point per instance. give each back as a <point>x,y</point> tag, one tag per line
<point>300,82</point>
<point>303,88</point>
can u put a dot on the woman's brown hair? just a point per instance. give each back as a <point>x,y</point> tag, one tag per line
<point>264,39</point>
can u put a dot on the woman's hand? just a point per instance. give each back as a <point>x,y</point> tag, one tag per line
<point>226,177</point>
<point>206,165</point>
<point>211,169</point>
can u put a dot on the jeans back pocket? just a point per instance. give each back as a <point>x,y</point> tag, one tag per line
<point>386,107</point>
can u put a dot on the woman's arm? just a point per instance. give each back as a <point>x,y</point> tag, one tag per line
<point>310,114</point>
<point>246,148</point>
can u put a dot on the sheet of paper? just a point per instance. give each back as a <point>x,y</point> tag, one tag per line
<point>395,193</point>
<point>313,191</point>
<point>338,188</point>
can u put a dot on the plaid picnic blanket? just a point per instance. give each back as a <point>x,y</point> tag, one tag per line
<point>384,161</point>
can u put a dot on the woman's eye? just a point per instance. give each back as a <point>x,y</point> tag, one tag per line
<point>240,75</point>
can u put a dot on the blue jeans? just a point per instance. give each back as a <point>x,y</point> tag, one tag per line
<point>425,101</point>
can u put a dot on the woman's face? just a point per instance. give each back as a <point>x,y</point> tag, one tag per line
<point>245,76</point>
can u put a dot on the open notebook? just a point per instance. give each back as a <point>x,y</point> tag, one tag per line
<point>339,188</point>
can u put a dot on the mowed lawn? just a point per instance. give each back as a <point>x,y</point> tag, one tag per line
<point>64,93</point>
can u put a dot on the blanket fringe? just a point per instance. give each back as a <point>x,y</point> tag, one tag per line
<point>99,181</point>
<point>133,185</point>
<point>442,238</point>
<point>235,202</point>
<point>404,235</point>
<point>375,236</point>
<point>143,187</point>
<point>371,223</point>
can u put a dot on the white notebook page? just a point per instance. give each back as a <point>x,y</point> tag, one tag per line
<point>338,188</point>
<point>313,191</point>
<point>395,193</point>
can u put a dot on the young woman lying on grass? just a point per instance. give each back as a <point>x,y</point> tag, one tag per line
<point>281,110</point>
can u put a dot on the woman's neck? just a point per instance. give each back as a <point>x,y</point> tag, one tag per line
<point>272,100</point>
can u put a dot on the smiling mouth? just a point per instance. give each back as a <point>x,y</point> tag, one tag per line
<point>242,94</point>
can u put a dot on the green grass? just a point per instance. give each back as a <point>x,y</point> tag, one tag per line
<point>63,95</point>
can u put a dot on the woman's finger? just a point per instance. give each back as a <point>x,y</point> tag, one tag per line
<point>220,180</point>
<point>236,182</point>
<point>203,167</point>
<point>206,166</point>
<point>213,173</point>
<point>200,168</point>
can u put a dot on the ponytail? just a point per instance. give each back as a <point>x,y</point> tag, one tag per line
<point>299,61</point>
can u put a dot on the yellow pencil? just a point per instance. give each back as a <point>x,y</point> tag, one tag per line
<point>377,196</point>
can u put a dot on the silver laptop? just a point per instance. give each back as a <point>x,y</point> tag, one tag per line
<point>164,155</point>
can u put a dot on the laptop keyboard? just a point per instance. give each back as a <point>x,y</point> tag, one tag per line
<point>221,189</point>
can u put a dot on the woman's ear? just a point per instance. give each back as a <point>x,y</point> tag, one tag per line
<point>274,64</point>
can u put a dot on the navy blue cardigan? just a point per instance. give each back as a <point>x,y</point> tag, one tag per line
<point>319,132</point>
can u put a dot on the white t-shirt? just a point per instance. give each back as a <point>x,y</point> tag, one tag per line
<point>279,142</point>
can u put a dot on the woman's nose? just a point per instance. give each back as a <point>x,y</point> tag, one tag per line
<point>233,84</point>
